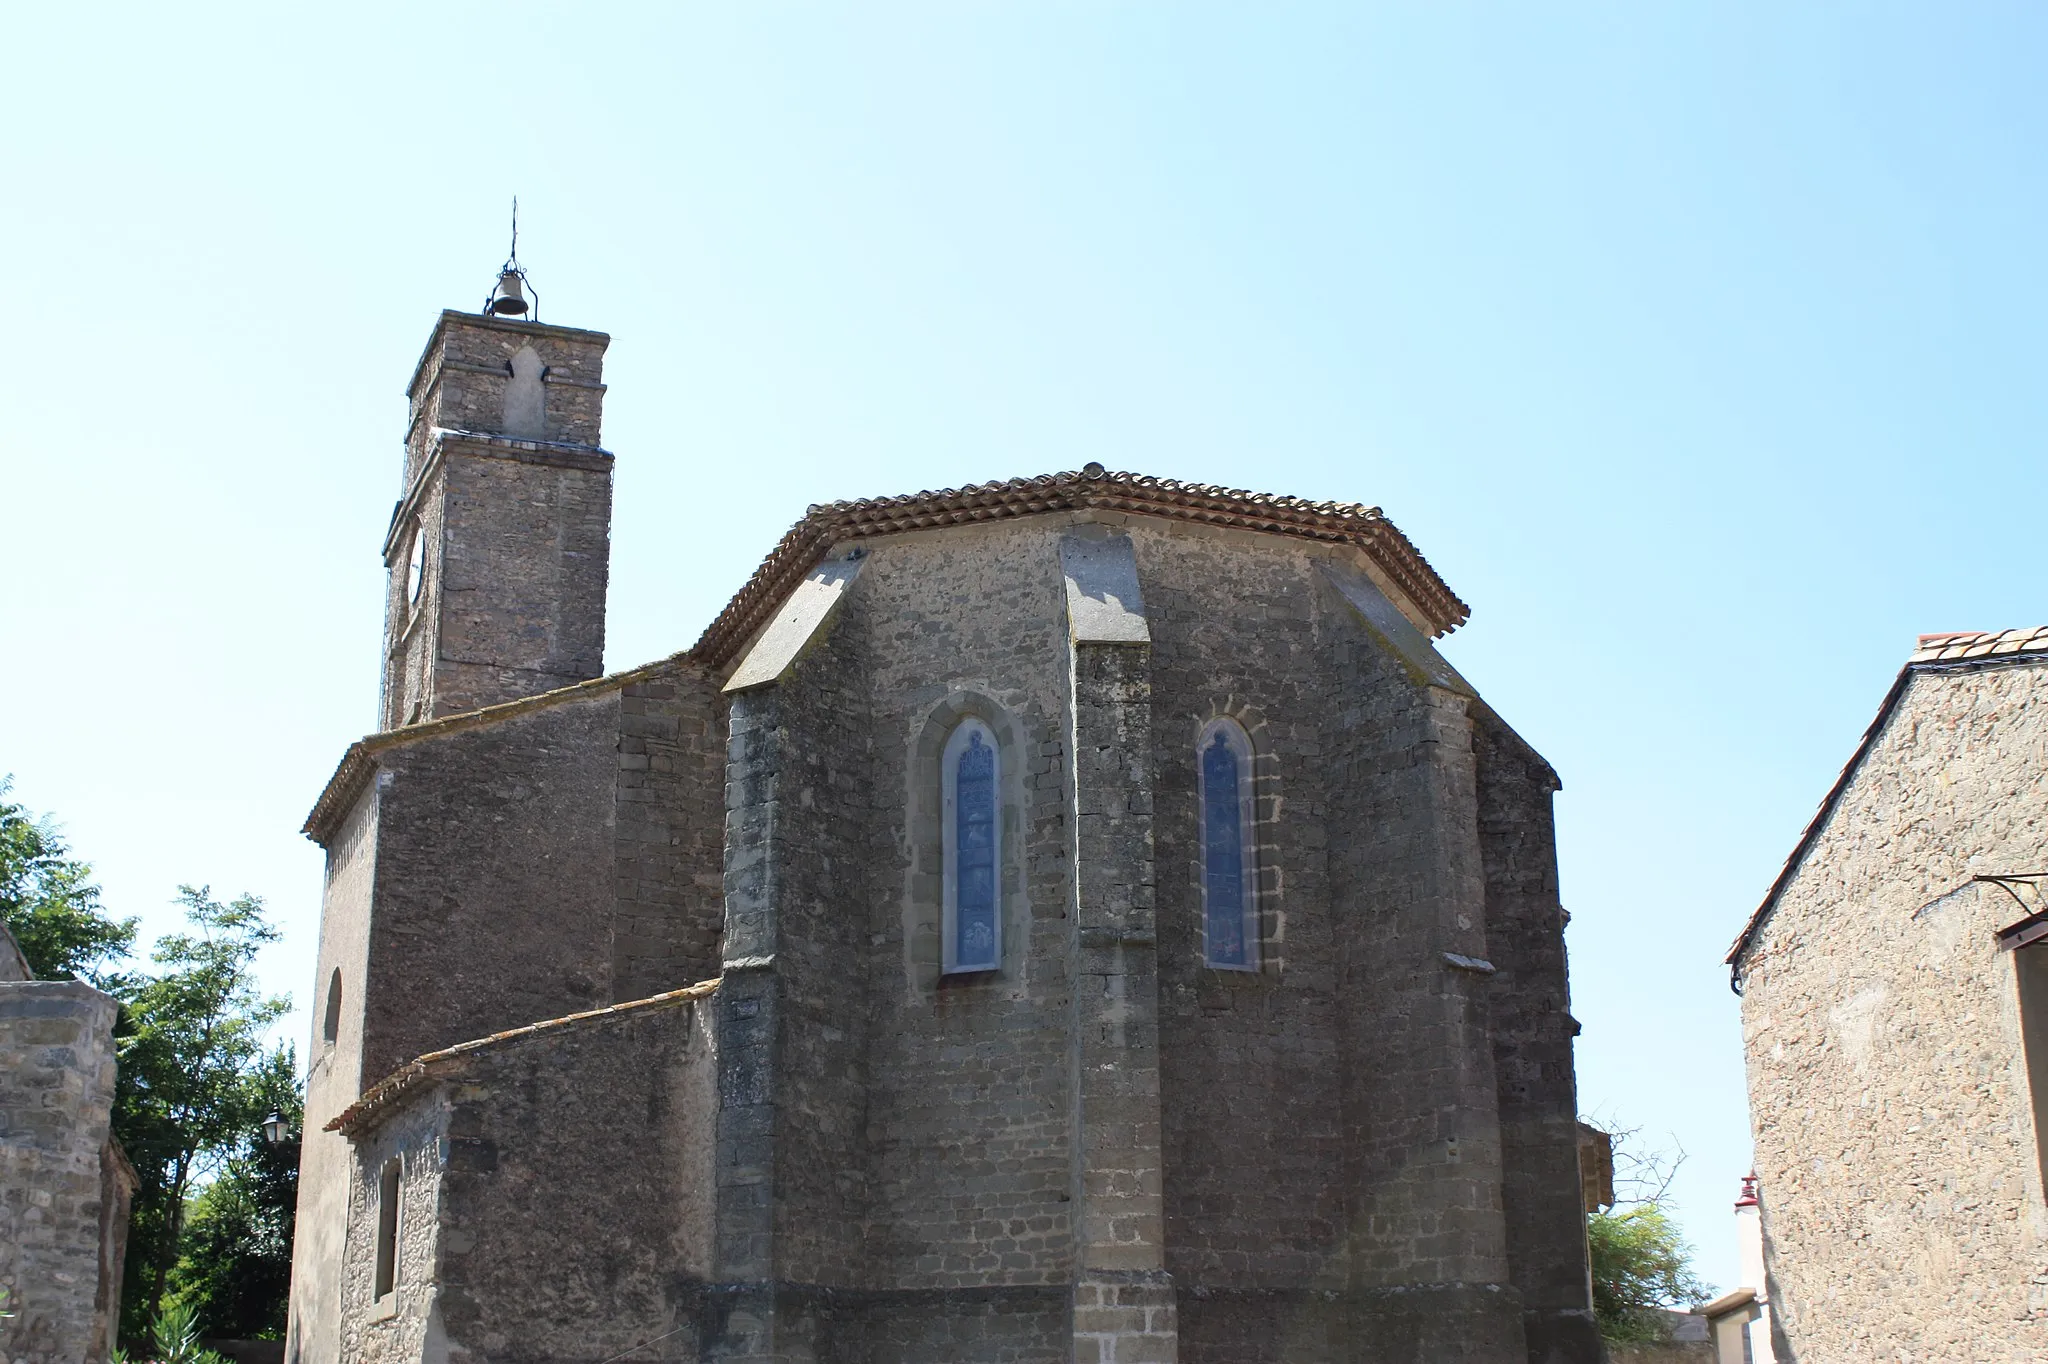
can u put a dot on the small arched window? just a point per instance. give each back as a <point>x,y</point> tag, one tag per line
<point>330,1024</point>
<point>1230,873</point>
<point>973,849</point>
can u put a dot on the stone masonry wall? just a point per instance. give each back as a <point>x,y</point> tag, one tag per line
<point>952,1326</point>
<point>818,810</point>
<point>1251,1080</point>
<point>404,1327</point>
<point>1272,1084</point>
<point>1124,1299</point>
<point>56,1091</point>
<point>965,1115</point>
<point>1424,1216</point>
<point>893,1177</point>
<point>515,516</point>
<point>513,1244</point>
<point>748,1013</point>
<point>412,624</point>
<point>1303,1163</point>
<point>826,827</point>
<point>461,380</point>
<point>539,1259</point>
<point>525,553</point>
<point>494,868</point>
<point>669,829</point>
<point>1888,1087</point>
<point>334,1079</point>
<point>970,1097</point>
<point>1340,1189</point>
<point>1532,1045</point>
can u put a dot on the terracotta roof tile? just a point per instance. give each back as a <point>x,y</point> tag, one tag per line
<point>807,541</point>
<point>1091,488</point>
<point>1952,644</point>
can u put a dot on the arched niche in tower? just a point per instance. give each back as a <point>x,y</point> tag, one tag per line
<point>526,397</point>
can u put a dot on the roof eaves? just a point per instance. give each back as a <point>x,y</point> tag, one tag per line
<point>1365,528</point>
<point>381,1097</point>
<point>1973,651</point>
<point>1332,522</point>
<point>1818,822</point>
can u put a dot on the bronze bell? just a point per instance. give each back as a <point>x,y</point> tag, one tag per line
<point>509,297</point>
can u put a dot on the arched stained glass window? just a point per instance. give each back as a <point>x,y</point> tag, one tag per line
<point>1230,922</point>
<point>973,849</point>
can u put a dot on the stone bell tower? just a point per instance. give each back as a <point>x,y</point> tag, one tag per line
<point>499,550</point>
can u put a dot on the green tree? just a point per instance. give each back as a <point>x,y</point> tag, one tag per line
<point>49,903</point>
<point>1641,1263</point>
<point>190,1089</point>
<point>234,1265</point>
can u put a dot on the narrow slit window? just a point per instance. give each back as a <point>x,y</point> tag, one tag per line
<point>972,855</point>
<point>1230,922</point>
<point>330,1024</point>
<point>387,1230</point>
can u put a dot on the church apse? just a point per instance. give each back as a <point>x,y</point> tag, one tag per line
<point>1076,917</point>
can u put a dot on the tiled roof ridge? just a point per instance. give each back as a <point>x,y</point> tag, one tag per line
<point>1092,488</point>
<point>391,1088</point>
<point>1948,647</point>
<point>1951,645</point>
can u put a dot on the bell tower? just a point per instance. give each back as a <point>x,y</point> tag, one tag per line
<point>500,547</point>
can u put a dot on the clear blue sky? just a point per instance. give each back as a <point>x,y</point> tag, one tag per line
<point>1697,345</point>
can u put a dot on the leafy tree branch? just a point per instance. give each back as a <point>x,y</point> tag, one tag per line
<point>188,1091</point>
<point>49,903</point>
<point>1641,1263</point>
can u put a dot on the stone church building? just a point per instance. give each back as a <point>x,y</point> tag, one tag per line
<point>1077,918</point>
<point>1895,1023</point>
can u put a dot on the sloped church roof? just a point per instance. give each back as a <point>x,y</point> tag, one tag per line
<point>1092,488</point>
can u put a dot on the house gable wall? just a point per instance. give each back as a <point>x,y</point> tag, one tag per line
<point>1887,1084</point>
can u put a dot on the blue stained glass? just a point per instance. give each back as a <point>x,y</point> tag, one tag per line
<point>1223,855</point>
<point>974,872</point>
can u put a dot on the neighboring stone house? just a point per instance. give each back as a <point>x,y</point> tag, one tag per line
<point>1076,918</point>
<point>1895,1019</point>
<point>65,1186</point>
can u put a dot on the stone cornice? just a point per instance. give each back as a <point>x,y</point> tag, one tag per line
<point>486,322</point>
<point>484,445</point>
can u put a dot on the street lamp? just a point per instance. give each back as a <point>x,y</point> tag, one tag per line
<point>276,1130</point>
